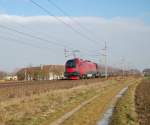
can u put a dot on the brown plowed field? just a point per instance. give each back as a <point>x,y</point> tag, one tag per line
<point>20,89</point>
<point>143,102</point>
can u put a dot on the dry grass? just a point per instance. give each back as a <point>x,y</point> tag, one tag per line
<point>143,102</point>
<point>23,89</point>
<point>38,108</point>
<point>91,113</point>
<point>2,81</point>
<point>45,107</point>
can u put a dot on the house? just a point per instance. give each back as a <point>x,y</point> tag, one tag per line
<point>43,72</point>
<point>11,78</point>
<point>146,72</point>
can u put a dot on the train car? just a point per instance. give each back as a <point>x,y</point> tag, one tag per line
<point>78,69</point>
<point>111,71</point>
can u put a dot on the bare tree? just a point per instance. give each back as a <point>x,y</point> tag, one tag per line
<point>2,74</point>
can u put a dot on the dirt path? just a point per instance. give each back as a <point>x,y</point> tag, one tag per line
<point>108,113</point>
<point>89,112</point>
<point>69,114</point>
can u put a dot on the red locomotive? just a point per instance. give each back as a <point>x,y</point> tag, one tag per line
<point>78,69</point>
<point>81,69</point>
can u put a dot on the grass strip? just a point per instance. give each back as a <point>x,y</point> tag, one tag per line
<point>90,114</point>
<point>124,111</point>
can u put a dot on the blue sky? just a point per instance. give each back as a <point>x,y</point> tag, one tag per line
<point>125,24</point>
<point>102,8</point>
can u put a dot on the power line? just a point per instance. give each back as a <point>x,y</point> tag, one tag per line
<point>31,36</point>
<point>60,20</point>
<point>36,37</point>
<point>24,43</point>
<point>68,15</point>
<point>28,35</point>
<point>62,41</point>
<point>35,45</point>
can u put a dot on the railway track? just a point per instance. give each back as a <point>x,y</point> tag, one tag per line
<point>21,83</point>
<point>21,89</point>
<point>24,83</point>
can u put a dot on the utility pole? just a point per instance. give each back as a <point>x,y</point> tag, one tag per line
<point>123,67</point>
<point>74,53</point>
<point>65,53</point>
<point>105,60</point>
<point>25,74</point>
<point>41,72</point>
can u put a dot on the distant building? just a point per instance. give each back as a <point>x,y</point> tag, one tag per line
<point>11,78</point>
<point>43,72</point>
<point>134,72</point>
<point>146,72</point>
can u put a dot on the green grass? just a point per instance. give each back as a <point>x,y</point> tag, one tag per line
<point>124,112</point>
<point>147,77</point>
<point>89,114</point>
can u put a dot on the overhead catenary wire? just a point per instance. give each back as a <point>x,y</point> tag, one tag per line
<point>31,31</point>
<point>36,37</point>
<point>68,15</point>
<point>62,21</point>
<point>20,41</point>
<point>31,36</point>
<point>68,46</point>
<point>14,40</point>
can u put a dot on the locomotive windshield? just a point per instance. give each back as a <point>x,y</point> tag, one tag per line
<point>71,64</point>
